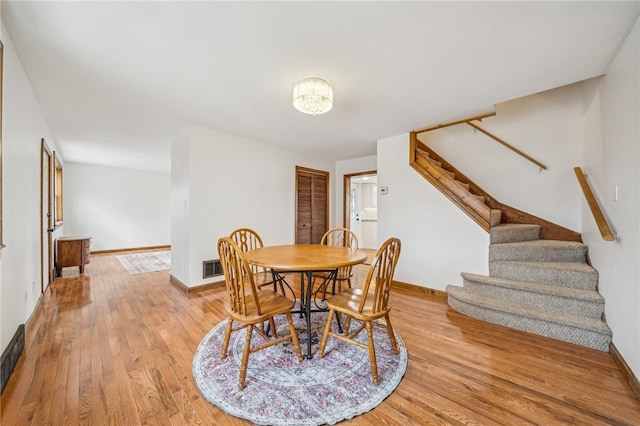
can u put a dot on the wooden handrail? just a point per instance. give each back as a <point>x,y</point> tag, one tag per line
<point>453,123</point>
<point>596,211</point>
<point>500,141</point>
<point>479,117</point>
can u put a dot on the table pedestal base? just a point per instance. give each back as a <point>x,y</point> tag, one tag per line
<point>306,292</point>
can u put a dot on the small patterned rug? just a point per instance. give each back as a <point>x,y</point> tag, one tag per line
<point>140,263</point>
<point>279,390</point>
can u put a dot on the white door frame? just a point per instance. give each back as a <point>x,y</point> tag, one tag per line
<point>46,216</point>
<point>346,202</point>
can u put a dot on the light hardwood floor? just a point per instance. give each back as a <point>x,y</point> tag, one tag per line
<point>111,348</point>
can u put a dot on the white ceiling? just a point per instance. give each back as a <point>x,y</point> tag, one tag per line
<point>117,79</point>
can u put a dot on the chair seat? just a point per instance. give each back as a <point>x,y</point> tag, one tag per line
<point>270,302</point>
<point>348,301</point>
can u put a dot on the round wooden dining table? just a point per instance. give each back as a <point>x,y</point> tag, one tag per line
<point>305,259</point>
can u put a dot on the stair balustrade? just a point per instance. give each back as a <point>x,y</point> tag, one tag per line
<point>477,203</point>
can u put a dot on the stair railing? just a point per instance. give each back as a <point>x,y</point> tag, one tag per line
<point>507,145</point>
<point>596,211</point>
<point>491,135</point>
<point>508,214</point>
<point>453,123</point>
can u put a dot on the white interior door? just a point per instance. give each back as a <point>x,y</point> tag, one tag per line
<point>363,209</point>
<point>354,200</point>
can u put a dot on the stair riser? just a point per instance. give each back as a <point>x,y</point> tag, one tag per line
<point>537,254</point>
<point>587,338</point>
<point>567,279</point>
<point>511,235</point>
<point>539,300</point>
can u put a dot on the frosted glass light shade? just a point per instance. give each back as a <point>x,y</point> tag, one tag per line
<point>313,95</point>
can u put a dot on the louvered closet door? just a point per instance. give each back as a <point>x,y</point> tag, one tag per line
<point>312,205</point>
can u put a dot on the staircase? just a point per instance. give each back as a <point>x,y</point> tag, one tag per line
<point>539,280</point>
<point>540,286</point>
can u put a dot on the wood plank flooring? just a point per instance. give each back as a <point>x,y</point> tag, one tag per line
<point>109,348</point>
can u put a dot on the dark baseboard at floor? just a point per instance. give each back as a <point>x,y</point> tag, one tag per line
<point>10,356</point>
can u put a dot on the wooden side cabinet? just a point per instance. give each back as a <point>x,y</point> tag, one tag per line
<point>72,251</point>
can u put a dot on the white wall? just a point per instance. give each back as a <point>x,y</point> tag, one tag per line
<point>118,208</point>
<point>612,158</point>
<point>346,167</point>
<point>438,240</point>
<point>180,199</point>
<point>23,127</point>
<point>546,126</point>
<point>3,343</point>
<point>233,182</point>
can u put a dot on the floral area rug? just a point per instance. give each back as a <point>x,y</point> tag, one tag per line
<point>279,390</point>
<point>151,261</point>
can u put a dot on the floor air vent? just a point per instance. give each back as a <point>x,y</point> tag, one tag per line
<point>11,355</point>
<point>211,268</point>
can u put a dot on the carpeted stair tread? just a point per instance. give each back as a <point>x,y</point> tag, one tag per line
<point>578,275</point>
<point>513,232</point>
<point>566,319</point>
<point>585,331</point>
<point>539,251</point>
<point>591,296</point>
<point>559,299</point>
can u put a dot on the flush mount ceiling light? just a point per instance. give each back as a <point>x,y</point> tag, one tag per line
<point>313,95</point>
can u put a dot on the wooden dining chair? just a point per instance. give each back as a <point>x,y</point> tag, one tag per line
<point>367,304</point>
<point>248,239</point>
<point>341,237</point>
<point>248,306</point>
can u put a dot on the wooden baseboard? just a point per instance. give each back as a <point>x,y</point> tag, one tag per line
<point>35,311</point>
<point>188,290</point>
<point>396,284</point>
<point>625,370</point>
<point>416,288</point>
<point>149,248</point>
